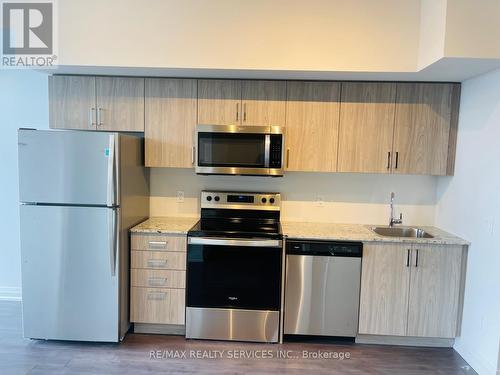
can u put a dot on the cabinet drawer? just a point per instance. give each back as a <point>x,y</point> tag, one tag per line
<point>155,305</point>
<point>158,260</point>
<point>158,242</point>
<point>158,278</point>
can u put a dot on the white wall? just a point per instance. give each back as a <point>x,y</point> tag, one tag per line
<point>469,206</point>
<point>348,198</point>
<point>23,103</point>
<point>314,35</point>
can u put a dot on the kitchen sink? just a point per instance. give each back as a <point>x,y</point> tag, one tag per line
<point>408,232</point>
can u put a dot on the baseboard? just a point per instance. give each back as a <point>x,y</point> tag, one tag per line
<point>405,341</point>
<point>476,361</point>
<point>160,329</point>
<point>8,293</point>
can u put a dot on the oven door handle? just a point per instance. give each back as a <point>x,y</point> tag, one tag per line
<point>234,242</point>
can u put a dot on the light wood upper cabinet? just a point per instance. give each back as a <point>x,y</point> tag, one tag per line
<point>366,127</point>
<point>263,103</point>
<point>411,290</point>
<point>384,290</point>
<point>96,103</point>
<point>434,291</point>
<point>219,102</point>
<point>312,126</point>
<point>170,122</point>
<point>72,102</point>
<point>422,127</point>
<point>120,104</point>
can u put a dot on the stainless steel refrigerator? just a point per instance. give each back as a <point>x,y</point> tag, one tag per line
<point>80,192</point>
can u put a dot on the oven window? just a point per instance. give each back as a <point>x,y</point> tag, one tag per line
<point>234,277</point>
<point>231,150</point>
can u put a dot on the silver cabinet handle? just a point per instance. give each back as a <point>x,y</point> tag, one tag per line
<point>99,117</point>
<point>157,296</point>
<point>244,112</point>
<point>408,258</point>
<point>237,111</point>
<point>416,258</point>
<point>157,263</point>
<point>287,157</point>
<point>92,124</point>
<point>158,244</point>
<point>157,281</point>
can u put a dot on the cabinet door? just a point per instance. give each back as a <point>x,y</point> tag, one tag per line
<point>366,127</point>
<point>120,104</point>
<point>219,102</point>
<point>312,126</point>
<point>434,291</point>
<point>422,127</point>
<point>264,103</point>
<point>170,122</point>
<point>385,280</point>
<point>72,102</point>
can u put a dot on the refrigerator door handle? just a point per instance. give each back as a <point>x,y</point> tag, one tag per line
<point>111,196</point>
<point>113,238</point>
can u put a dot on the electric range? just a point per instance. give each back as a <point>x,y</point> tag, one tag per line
<point>234,268</point>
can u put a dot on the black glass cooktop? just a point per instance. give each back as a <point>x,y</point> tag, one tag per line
<point>234,224</point>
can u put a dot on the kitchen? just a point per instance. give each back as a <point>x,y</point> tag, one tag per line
<point>344,142</point>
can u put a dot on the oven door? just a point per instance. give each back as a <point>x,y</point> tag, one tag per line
<point>234,273</point>
<point>233,150</point>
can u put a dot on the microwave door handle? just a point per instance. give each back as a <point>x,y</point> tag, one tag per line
<point>267,150</point>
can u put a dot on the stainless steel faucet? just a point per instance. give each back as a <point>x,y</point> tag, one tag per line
<point>392,219</point>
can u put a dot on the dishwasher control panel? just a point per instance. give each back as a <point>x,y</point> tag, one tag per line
<point>324,248</point>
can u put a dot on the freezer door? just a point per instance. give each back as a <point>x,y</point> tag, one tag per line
<point>67,167</point>
<point>69,273</point>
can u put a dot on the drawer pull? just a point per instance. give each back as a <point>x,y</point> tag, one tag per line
<point>157,281</point>
<point>157,296</point>
<point>158,244</point>
<point>157,263</point>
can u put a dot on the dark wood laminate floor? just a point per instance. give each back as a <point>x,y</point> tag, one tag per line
<point>21,356</point>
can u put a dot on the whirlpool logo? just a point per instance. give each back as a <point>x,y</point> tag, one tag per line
<point>28,29</point>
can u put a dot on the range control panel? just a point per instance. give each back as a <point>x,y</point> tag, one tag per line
<point>240,200</point>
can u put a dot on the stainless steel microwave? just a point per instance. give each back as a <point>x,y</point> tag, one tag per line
<point>239,150</point>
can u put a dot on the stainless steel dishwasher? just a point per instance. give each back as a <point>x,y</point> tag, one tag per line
<point>322,287</point>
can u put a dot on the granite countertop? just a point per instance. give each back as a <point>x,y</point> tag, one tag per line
<point>173,225</point>
<point>362,233</point>
<point>306,230</point>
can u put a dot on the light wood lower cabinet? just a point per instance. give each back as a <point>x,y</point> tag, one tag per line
<point>159,242</point>
<point>384,290</point>
<point>411,290</point>
<point>157,305</point>
<point>149,278</point>
<point>157,278</point>
<point>435,291</point>
<point>158,260</point>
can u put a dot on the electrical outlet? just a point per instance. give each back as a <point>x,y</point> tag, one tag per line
<point>180,196</point>
<point>320,201</point>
